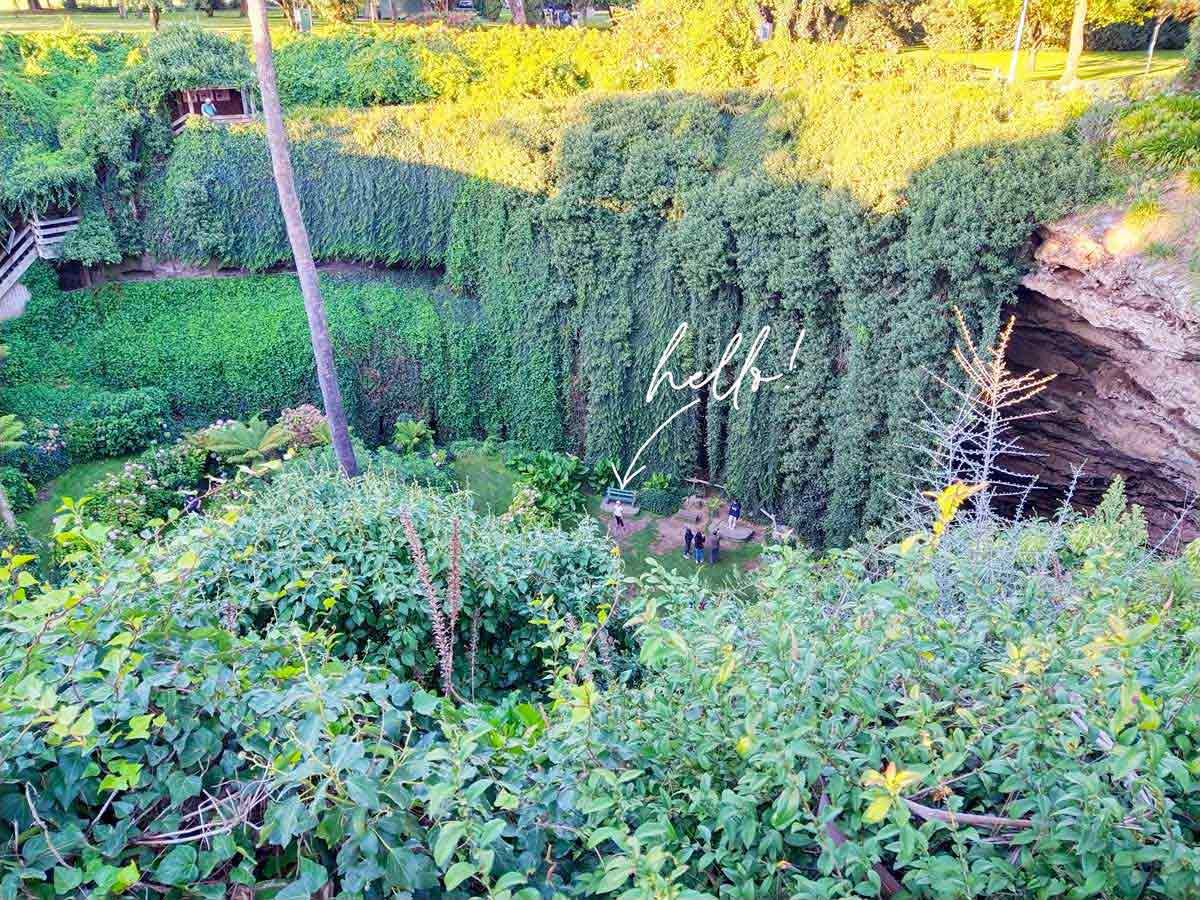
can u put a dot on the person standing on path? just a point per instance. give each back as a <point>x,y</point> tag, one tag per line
<point>619,516</point>
<point>699,546</point>
<point>687,541</point>
<point>735,513</point>
<point>714,549</point>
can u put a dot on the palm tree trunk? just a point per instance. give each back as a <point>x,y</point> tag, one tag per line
<point>1012,66</point>
<point>1153,42</point>
<point>289,202</point>
<point>1075,50</point>
<point>6,513</point>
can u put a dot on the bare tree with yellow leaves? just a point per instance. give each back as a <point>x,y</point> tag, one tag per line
<point>976,446</point>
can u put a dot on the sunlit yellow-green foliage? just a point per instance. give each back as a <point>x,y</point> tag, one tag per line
<point>865,132</point>
<point>1161,134</point>
<point>505,145</point>
<point>868,135</point>
<point>717,46</point>
<point>975,24</point>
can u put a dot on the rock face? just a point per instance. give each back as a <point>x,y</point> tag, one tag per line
<point>1121,329</point>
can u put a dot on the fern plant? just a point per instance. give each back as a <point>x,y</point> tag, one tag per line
<point>411,436</point>
<point>243,442</point>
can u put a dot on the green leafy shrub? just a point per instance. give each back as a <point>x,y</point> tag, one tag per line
<point>337,10</point>
<point>880,26</point>
<point>21,494</point>
<point>306,426</point>
<point>412,436</point>
<point>425,471</point>
<point>962,25</point>
<point>1160,135</point>
<point>238,346</point>
<point>663,501</point>
<point>138,760</point>
<point>327,550</point>
<point>603,472</point>
<point>348,67</point>
<point>879,753</point>
<point>658,481</point>
<point>159,480</point>
<point>18,541</point>
<point>46,78</point>
<point>46,401</point>
<point>115,129</point>
<point>662,494</point>
<point>94,241</point>
<point>43,456</point>
<point>557,481</point>
<point>1072,716</point>
<point>119,422</point>
<point>1113,527</point>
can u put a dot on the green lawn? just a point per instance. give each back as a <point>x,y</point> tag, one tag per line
<point>637,550</point>
<point>1094,66</point>
<point>74,483</point>
<point>491,482</point>
<point>226,20</point>
<point>637,553</point>
<point>488,479</point>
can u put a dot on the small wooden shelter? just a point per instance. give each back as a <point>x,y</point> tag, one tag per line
<point>232,105</point>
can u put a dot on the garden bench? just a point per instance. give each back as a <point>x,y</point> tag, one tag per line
<point>627,499</point>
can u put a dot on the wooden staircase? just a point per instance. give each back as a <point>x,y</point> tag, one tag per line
<point>40,238</point>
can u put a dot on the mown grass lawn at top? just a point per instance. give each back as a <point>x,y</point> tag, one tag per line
<point>1048,66</point>
<point>17,19</point>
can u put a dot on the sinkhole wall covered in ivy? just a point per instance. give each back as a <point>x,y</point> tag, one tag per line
<point>579,233</point>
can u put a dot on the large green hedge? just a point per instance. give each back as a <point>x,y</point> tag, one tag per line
<point>238,346</point>
<point>859,210</point>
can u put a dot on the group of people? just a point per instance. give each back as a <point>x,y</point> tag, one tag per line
<point>695,543</point>
<point>562,16</point>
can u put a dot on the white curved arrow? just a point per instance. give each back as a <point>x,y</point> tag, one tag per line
<point>630,472</point>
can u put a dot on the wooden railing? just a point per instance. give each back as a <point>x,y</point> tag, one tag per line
<point>20,250</point>
<point>178,125</point>
<point>41,238</point>
<point>49,234</point>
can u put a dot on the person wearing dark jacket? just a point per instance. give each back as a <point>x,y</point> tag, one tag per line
<point>687,541</point>
<point>714,548</point>
<point>699,543</point>
<point>735,513</point>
